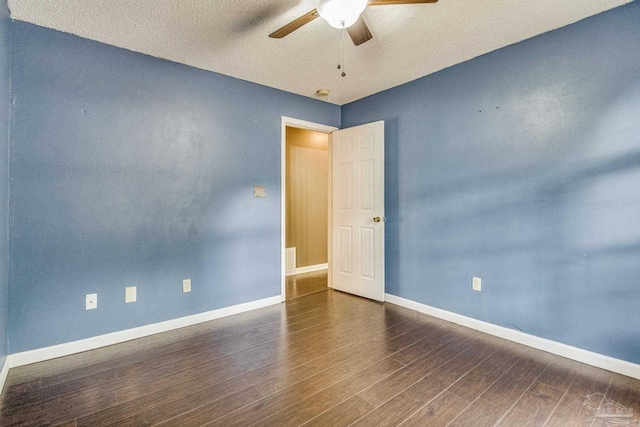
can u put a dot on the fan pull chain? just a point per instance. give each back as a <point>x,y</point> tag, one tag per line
<point>341,64</point>
<point>340,53</point>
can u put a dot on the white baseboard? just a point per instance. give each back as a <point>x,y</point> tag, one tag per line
<point>42,354</point>
<point>4,372</point>
<point>584,356</point>
<point>308,269</point>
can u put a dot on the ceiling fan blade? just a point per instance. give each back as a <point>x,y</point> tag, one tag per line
<point>389,2</point>
<point>359,32</point>
<point>294,25</point>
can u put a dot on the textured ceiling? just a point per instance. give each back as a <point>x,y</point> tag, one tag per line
<point>231,36</point>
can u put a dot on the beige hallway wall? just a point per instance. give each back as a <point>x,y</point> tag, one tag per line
<point>307,163</point>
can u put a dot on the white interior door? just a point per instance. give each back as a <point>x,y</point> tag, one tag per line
<point>357,262</point>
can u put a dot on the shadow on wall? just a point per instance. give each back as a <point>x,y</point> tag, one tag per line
<point>553,245</point>
<point>241,258</point>
<point>392,203</point>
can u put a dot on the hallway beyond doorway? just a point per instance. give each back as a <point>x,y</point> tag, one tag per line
<point>299,285</point>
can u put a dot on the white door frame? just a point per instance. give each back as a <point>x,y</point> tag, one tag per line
<point>302,124</point>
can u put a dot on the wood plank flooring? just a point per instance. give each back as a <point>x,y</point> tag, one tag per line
<point>325,359</point>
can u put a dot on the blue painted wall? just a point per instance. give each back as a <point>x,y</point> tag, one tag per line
<point>522,167</point>
<point>129,170</point>
<point>5,120</point>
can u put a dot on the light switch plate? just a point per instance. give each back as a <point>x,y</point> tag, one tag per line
<point>186,285</point>
<point>130,294</point>
<point>476,284</point>
<point>259,191</point>
<point>92,301</point>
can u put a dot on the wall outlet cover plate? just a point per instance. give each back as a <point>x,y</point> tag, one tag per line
<point>130,294</point>
<point>91,301</point>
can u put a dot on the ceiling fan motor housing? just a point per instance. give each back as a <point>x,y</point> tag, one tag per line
<point>341,13</point>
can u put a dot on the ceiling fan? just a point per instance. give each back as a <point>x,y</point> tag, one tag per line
<point>342,14</point>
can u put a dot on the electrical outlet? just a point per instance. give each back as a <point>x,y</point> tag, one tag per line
<point>130,294</point>
<point>476,284</point>
<point>186,285</point>
<point>92,301</point>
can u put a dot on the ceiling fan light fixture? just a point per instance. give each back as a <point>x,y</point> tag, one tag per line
<point>341,13</point>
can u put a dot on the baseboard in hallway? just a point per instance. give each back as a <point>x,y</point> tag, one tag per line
<point>308,269</point>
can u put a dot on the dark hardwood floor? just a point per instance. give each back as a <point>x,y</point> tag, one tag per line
<point>326,359</point>
<point>300,285</point>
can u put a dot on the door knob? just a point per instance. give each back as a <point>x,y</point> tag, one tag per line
<point>378,219</point>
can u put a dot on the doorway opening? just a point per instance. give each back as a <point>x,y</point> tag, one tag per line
<point>307,211</point>
<point>355,208</point>
<point>306,172</point>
